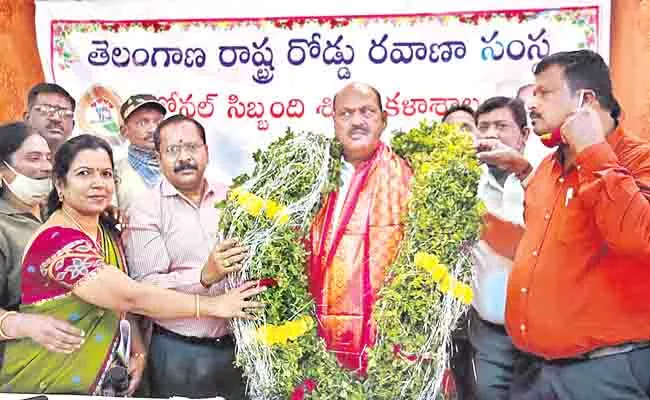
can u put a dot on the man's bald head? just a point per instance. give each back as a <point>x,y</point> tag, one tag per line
<point>363,87</point>
<point>359,120</point>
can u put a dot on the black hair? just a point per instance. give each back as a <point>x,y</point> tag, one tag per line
<point>13,136</point>
<point>516,107</point>
<point>65,156</point>
<point>175,119</point>
<point>459,107</point>
<point>585,69</point>
<point>374,90</point>
<point>46,88</point>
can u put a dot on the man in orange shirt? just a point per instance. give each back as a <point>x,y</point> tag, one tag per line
<point>577,302</point>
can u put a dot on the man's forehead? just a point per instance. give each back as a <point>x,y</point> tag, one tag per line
<point>145,112</point>
<point>357,91</point>
<point>53,99</point>
<point>498,114</point>
<point>459,115</point>
<point>553,76</point>
<point>180,131</point>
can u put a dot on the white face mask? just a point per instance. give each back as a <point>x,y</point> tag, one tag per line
<point>29,190</point>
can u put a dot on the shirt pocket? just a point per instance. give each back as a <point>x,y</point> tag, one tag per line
<point>575,224</point>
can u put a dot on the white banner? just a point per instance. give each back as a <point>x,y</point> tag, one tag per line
<point>248,69</point>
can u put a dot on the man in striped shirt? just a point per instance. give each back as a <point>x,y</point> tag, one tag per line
<point>172,242</point>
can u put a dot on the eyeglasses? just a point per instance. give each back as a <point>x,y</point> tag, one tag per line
<point>47,110</point>
<point>175,149</point>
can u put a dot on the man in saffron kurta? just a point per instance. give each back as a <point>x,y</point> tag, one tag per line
<point>356,234</point>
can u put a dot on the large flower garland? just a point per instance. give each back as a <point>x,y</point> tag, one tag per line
<point>425,293</point>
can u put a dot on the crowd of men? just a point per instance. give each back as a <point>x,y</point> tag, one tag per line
<point>560,272</point>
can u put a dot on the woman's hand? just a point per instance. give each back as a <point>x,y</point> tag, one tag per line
<point>233,303</point>
<point>53,334</point>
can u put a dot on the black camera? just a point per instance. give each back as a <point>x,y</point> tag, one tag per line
<point>116,382</point>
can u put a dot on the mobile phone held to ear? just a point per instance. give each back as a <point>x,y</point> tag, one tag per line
<point>554,138</point>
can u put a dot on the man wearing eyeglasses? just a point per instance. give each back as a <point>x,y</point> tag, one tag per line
<point>50,113</point>
<point>141,115</point>
<point>171,241</point>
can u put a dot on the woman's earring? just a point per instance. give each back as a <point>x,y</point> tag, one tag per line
<point>61,197</point>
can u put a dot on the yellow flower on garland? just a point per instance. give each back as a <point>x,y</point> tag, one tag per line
<point>271,335</point>
<point>234,194</point>
<point>243,197</point>
<point>284,217</point>
<point>272,208</point>
<point>432,265</point>
<point>467,294</point>
<point>253,205</point>
<point>445,284</point>
<point>440,275</point>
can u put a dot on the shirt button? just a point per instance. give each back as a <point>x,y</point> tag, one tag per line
<point>579,167</point>
<point>524,290</point>
<point>522,328</point>
<point>534,253</point>
<point>561,180</point>
<point>547,216</point>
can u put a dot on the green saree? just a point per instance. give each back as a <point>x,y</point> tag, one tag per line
<point>58,260</point>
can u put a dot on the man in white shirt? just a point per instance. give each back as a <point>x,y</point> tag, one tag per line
<point>501,139</point>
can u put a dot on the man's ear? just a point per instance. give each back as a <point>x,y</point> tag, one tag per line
<point>525,133</point>
<point>25,116</point>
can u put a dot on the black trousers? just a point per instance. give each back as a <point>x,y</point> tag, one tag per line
<point>483,359</point>
<point>624,376</point>
<point>493,358</point>
<point>180,367</point>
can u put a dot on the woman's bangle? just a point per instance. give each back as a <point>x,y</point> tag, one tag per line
<point>4,316</point>
<point>138,355</point>
<point>197,306</point>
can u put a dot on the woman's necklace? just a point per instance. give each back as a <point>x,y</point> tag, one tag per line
<point>78,225</point>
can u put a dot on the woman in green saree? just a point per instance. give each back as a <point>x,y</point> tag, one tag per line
<point>73,270</point>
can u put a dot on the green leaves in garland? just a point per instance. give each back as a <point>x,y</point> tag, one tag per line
<point>271,211</point>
